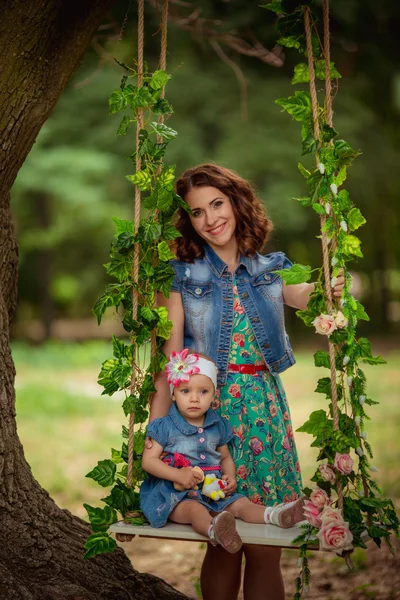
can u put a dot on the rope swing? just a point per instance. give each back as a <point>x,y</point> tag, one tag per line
<point>140,261</point>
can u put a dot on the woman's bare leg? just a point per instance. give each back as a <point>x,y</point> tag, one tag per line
<point>262,575</point>
<point>221,574</point>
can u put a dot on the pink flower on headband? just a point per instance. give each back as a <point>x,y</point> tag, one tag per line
<point>181,366</point>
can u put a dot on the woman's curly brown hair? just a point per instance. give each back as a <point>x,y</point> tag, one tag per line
<point>252,223</point>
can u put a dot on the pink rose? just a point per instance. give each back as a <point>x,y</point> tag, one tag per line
<point>340,320</point>
<point>324,324</point>
<point>343,463</point>
<point>331,514</point>
<point>335,535</point>
<point>311,513</point>
<point>241,472</point>
<point>319,497</point>
<point>327,473</point>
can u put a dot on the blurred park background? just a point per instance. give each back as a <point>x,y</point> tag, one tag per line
<point>73,183</point>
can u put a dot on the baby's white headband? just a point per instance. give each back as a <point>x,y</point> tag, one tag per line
<point>182,365</point>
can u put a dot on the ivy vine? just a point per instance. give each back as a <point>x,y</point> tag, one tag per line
<point>154,234</point>
<point>344,455</point>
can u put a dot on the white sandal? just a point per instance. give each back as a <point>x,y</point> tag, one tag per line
<point>287,514</point>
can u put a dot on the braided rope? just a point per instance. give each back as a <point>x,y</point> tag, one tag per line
<point>325,252</point>
<point>135,266</point>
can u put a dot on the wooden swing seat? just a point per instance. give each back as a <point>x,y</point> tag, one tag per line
<point>251,533</point>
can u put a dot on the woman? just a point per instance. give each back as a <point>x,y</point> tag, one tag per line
<point>227,302</point>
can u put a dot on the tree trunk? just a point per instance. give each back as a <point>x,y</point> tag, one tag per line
<point>41,44</point>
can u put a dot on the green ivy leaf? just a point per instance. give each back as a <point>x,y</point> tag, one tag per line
<point>303,171</point>
<point>159,79</point>
<point>124,125</point>
<point>166,178</point>
<point>296,274</point>
<point>309,145</point>
<point>355,219</point>
<point>164,252</point>
<point>104,473</point>
<point>162,107</point>
<point>101,518</point>
<point>116,456</point>
<point>99,543</point>
<point>302,73</point>
<point>120,267</point>
<point>171,233</point>
<point>165,132</point>
<point>324,386</point>
<point>142,179</point>
<point>101,305</point>
<point>164,199</point>
<point>360,311</point>
<point>321,359</point>
<point>122,226</point>
<point>290,42</point>
<point>299,105</point>
<point>275,6</point>
<point>164,325</point>
<point>151,230</point>
<point>343,199</point>
<point>117,101</point>
<point>319,209</point>
<point>123,498</point>
<point>351,245</point>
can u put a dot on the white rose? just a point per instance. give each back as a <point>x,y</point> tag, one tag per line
<point>324,324</point>
<point>333,187</point>
<point>340,320</point>
<point>343,225</point>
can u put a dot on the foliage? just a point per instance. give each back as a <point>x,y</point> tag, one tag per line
<point>134,298</point>
<point>363,510</point>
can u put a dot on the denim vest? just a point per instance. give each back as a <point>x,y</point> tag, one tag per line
<point>206,287</point>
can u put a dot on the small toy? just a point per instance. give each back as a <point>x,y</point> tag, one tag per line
<point>180,487</point>
<point>213,487</point>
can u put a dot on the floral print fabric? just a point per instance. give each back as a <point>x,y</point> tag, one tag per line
<point>263,447</point>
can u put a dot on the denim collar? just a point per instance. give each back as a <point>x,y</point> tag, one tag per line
<point>185,427</point>
<point>218,266</point>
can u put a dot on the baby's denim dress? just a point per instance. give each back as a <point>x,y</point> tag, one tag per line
<point>185,445</point>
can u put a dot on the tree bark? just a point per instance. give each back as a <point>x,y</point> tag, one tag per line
<point>41,555</point>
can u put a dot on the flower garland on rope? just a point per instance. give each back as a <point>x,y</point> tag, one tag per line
<point>343,508</point>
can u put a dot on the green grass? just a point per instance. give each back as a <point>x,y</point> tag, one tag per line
<point>66,426</point>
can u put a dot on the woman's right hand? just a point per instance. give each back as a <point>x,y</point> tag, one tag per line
<point>187,478</point>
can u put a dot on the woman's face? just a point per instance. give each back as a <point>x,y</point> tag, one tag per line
<point>213,217</point>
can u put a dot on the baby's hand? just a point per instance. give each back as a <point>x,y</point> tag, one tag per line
<point>187,478</point>
<point>232,485</point>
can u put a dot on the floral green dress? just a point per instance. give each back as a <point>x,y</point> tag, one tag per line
<point>263,446</point>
